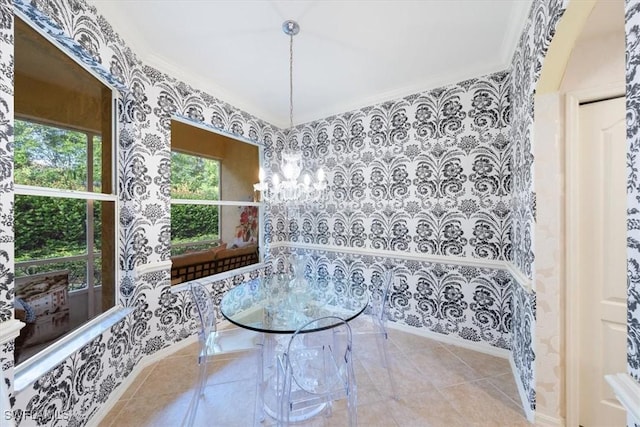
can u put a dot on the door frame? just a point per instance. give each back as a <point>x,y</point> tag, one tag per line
<point>572,239</point>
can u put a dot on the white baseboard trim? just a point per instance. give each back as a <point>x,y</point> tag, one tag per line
<point>115,396</point>
<point>449,339</point>
<point>524,401</point>
<point>547,420</point>
<point>627,391</point>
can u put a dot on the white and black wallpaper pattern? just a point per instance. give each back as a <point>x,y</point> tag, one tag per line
<point>632,29</point>
<point>6,181</point>
<point>471,303</point>
<point>428,174</point>
<point>525,72</point>
<point>446,172</point>
<point>146,101</point>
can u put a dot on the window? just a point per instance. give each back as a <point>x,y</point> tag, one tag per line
<point>194,209</point>
<point>64,213</point>
<point>215,223</point>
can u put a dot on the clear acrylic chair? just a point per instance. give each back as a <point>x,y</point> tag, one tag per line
<point>376,324</point>
<point>315,370</point>
<point>214,342</point>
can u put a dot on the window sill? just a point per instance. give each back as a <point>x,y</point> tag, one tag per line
<point>184,286</point>
<point>10,330</point>
<point>27,372</point>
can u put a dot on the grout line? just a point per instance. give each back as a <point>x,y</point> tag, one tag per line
<point>445,398</point>
<point>517,403</point>
<point>142,379</point>
<point>399,360</point>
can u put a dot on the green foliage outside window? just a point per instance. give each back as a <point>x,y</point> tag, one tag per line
<point>53,227</point>
<point>193,178</point>
<point>49,227</point>
<point>47,156</point>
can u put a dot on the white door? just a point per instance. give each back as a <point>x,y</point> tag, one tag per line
<point>603,269</point>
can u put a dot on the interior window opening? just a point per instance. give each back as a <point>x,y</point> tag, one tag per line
<point>215,223</point>
<point>64,213</point>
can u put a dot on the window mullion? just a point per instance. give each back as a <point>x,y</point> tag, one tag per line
<point>91,298</point>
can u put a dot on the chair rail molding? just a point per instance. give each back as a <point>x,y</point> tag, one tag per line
<point>524,282</point>
<point>436,259</point>
<point>151,267</point>
<point>627,391</point>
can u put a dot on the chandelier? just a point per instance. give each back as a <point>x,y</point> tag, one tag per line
<point>291,188</point>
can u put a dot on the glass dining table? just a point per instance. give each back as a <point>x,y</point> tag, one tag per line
<point>278,306</point>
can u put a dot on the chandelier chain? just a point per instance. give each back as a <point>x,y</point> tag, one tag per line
<point>291,81</point>
<point>291,191</point>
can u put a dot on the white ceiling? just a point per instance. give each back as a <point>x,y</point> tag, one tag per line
<point>349,54</point>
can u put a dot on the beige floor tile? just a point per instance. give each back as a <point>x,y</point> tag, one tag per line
<point>169,376</point>
<point>506,384</point>
<point>107,421</point>
<point>441,367</point>
<point>407,378</point>
<point>410,342</point>
<point>437,386</point>
<point>428,409</point>
<point>190,350</point>
<point>238,368</point>
<point>154,411</point>
<point>482,404</point>
<point>484,364</point>
<point>137,382</point>
<point>374,415</point>
<point>216,407</point>
<point>367,390</point>
<point>368,345</point>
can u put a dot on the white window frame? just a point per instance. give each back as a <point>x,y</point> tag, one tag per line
<point>34,367</point>
<point>89,197</point>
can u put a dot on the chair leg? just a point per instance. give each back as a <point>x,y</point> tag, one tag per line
<point>197,394</point>
<point>259,409</point>
<point>352,407</point>
<point>382,348</point>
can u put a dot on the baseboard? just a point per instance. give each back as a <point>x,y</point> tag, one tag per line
<point>524,401</point>
<point>627,391</point>
<point>453,340</point>
<point>546,420</point>
<point>115,396</point>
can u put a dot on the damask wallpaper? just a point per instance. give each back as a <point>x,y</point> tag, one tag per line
<point>444,173</point>
<point>428,174</point>
<point>6,166</point>
<point>470,303</point>
<point>525,72</point>
<point>632,29</point>
<point>6,180</point>
<point>146,100</point>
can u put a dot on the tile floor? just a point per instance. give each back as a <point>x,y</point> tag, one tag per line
<point>438,385</point>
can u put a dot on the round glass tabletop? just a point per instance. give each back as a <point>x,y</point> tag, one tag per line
<point>281,304</point>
